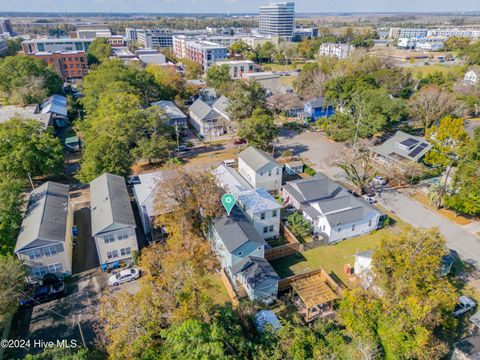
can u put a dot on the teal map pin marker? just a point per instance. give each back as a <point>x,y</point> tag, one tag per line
<point>228,202</point>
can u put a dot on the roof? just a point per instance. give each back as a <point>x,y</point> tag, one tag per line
<point>315,188</point>
<point>255,270</point>
<point>235,230</point>
<point>153,58</point>
<point>256,159</point>
<point>265,318</point>
<point>221,105</point>
<point>366,254</point>
<point>45,220</point>
<point>261,75</point>
<point>316,103</point>
<point>145,191</point>
<point>314,290</point>
<point>172,110</point>
<point>230,179</point>
<point>71,140</point>
<point>110,203</point>
<point>200,109</point>
<point>294,164</point>
<point>257,200</point>
<point>56,104</point>
<point>403,147</point>
<point>27,112</point>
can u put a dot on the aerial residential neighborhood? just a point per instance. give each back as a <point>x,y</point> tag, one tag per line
<point>239,180</point>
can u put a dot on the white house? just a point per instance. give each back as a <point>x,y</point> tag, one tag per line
<point>260,169</point>
<point>471,77</point>
<point>332,210</point>
<point>205,120</point>
<point>113,223</point>
<point>262,210</point>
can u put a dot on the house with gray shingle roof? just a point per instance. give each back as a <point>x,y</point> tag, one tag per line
<point>333,211</point>
<point>43,243</point>
<point>113,223</point>
<point>259,169</point>
<point>205,120</point>
<point>175,115</point>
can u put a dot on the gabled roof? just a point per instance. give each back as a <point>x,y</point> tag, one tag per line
<point>255,270</point>
<point>230,179</point>
<point>29,112</point>
<point>201,110</point>
<point>314,188</point>
<point>221,106</point>
<point>257,200</point>
<point>256,159</point>
<point>235,230</point>
<point>171,109</point>
<point>110,203</point>
<point>145,191</point>
<point>55,104</point>
<point>403,147</point>
<point>316,103</point>
<point>45,221</point>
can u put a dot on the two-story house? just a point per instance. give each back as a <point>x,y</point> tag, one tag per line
<point>260,169</point>
<point>206,122</point>
<point>262,210</point>
<point>43,244</point>
<point>332,210</point>
<point>471,77</point>
<point>113,223</point>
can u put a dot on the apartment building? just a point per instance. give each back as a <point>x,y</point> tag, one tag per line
<point>5,27</point>
<point>449,32</point>
<point>303,33</point>
<point>55,45</point>
<point>205,53</point>
<point>239,67</point>
<point>396,33</point>
<point>92,31</point>
<point>3,46</point>
<point>277,19</point>
<point>154,38</point>
<point>67,64</point>
<point>341,51</point>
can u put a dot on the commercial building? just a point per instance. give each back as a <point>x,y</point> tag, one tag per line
<point>396,33</point>
<point>341,51</point>
<point>5,27</point>
<point>277,19</point>
<point>239,67</point>
<point>55,45</point>
<point>68,64</point>
<point>3,46</point>
<point>303,33</point>
<point>153,38</point>
<point>449,32</point>
<point>92,31</point>
<point>205,53</point>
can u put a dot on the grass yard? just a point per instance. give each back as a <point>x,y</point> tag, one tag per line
<point>283,67</point>
<point>422,71</point>
<point>288,80</point>
<point>218,293</point>
<point>332,258</point>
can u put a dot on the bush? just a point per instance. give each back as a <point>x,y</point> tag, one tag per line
<point>309,171</point>
<point>135,257</point>
<point>287,153</point>
<point>299,226</point>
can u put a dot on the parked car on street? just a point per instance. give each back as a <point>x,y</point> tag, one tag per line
<point>379,181</point>
<point>183,148</point>
<point>370,199</point>
<point>43,293</point>
<point>133,180</point>
<point>124,276</point>
<point>464,304</point>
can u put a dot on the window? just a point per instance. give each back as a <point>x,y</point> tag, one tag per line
<point>123,236</point>
<point>240,253</point>
<point>109,238</point>
<point>49,251</point>
<point>269,172</point>
<point>260,248</point>
<point>339,229</point>
<point>262,216</point>
<point>34,254</point>
<point>353,227</point>
<point>55,268</point>
<point>39,271</point>
<point>369,222</point>
<point>125,251</point>
<point>261,173</point>
<point>265,229</point>
<point>274,213</point>
<point>278,171</point>
<point>112,254</point>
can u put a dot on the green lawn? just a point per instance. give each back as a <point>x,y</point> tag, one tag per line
<point>282,67</point>
<point>332,258</point>
<point>218,293</point>
<point>422,71</point>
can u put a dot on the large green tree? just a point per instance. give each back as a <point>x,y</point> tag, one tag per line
<point>259,130</point>
<point>12,283</point>
<point>244,98</point>
<point>10,215</point>
<point>218,76</point>
<point>99,51</point>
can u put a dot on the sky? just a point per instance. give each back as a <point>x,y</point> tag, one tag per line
<point>235,6</point>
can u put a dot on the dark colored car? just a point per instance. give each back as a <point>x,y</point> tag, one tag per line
<point>44,293</point>
<point>239,141</point>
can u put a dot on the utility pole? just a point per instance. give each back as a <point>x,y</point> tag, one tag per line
<point>31,181</point>
<point>178,141</point>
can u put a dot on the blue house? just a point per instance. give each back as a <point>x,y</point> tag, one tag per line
<point>317,108</point>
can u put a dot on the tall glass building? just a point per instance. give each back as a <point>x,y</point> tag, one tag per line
<point>277,19</point>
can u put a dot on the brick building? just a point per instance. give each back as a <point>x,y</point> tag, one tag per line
<point>68,64</point>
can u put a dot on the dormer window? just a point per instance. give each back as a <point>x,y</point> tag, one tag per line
<point>240,253</point>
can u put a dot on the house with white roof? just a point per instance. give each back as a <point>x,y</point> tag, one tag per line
<point>471,77</point>
<point>113,222</point>
<point>259,169</point>
<point>332,210</point>
<point>229,179</point>
<point>43,243</point>
<point>262,210</point>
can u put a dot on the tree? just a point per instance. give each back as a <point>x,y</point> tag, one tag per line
<point>170,81</point>
<point>244,98</point>
<point>471,53</point>
<point>98,51</point>
<point>10,215</point>
<point>430,104</point>
<point>240,48</point>
<point>456,43</point>
<point>12,283</point>
<point>414,316</point>
<point>62,353</point>
<point>436,194</point>
<point>299,226</point>
<point>193,70</point>
<point>259,130</point>
<point>218,76</point>
<point>13,46</point>
<point>28,76</point>
<point>26,148</point>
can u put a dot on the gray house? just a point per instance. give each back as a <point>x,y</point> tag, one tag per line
<point>113,223</point>
<point>259,169</point>
<point>176,116</point>
<point>44,244</point>
<point>56,106</point>
<point>205,120</point>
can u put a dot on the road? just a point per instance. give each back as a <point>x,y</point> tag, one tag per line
<point>320,151</point>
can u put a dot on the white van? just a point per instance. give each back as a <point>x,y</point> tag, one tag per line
<point>229,163</point>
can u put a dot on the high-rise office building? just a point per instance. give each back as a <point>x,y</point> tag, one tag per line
<point>277,19</point>
<point>5,27</point>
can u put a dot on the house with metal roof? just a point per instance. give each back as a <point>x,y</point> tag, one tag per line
<point>56,106</point>
<point>44,244</point>
<point>233,238</point>
<point>113,222</point>
<point>401,150</point>
<point>317,108</point>
<point>230,180</point>
<point>259,169</point>
<point>334,212</point>
<point>205,120</point>
<point>25,112</point>
<point>258,277</point>
<point>262,210</point>
<point>176,116</point>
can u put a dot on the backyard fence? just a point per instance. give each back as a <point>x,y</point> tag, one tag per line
<point>229,287</point>
<point>285,284</point>
<point>281,251</point>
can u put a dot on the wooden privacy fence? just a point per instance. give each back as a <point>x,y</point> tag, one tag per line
<point>288,235</point>
<point>229,287</point>
<point>281,251</point>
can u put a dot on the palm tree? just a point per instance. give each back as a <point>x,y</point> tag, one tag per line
<point>436,194</point>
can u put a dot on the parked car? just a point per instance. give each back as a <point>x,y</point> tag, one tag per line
<point>229,163</point>
<point>239,141</point>
<point>43,293</point>
<point>464,304</point>
<point>379,181</point>
<point>124,276</point>
<point>370,199</point>
<point>133,180</point>
<point>183,148</point>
